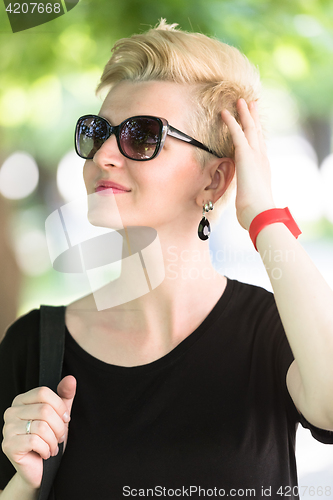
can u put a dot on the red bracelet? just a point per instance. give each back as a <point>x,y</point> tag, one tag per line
<point>269,217</point>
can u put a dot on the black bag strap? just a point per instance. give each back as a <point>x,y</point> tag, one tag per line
<point>52,346</point>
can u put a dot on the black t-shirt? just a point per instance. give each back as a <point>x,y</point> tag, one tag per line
<point>213,417</point>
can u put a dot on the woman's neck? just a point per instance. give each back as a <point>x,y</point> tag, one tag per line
<point>164,287</point>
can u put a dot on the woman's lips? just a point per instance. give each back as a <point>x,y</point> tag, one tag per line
<point>107,191</point>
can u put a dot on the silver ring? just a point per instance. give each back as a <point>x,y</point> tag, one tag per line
<point>28,427</point>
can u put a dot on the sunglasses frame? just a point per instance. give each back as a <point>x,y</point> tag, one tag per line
<point>165,129</point>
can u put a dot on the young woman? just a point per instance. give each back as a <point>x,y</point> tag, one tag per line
<point>197,387</point>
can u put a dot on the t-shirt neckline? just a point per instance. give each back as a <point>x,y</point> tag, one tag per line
<point>216,312</point>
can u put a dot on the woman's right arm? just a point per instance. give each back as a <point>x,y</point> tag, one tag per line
<point>49,414</point>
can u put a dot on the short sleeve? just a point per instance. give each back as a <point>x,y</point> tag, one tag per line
<point>322,435</point>
<point>19,371</point>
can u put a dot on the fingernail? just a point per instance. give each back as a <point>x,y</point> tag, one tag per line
<point>56,452</point>
<point>66,417</point>
<point>62,439</point>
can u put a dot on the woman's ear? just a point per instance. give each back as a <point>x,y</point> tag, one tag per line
<point>222,175</point>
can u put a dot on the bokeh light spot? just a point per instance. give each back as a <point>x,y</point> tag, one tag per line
<point>13,107</point>
<point>18,176</point>
<point>291,61</point>
<point>307,26</point>
<point>31,252</point>
<point>70,177</point>
<point>45,98</point>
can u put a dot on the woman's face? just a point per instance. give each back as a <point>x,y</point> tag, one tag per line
<point>161,190</point>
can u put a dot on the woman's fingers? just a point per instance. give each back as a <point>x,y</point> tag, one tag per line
<point>43,395</point>
<point>253,107</point>
<point>17,447</point>
<point>45,423</point>
<point>42,429</point>
<point>40,412</point>
<point>250,128</point>
<point>250,133</point>
<point>20,415</point>
<point>234,128</point>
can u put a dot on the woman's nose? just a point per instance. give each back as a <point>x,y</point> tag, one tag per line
<point>108,154</point>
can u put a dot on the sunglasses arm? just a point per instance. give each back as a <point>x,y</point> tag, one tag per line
<point>177,134</point>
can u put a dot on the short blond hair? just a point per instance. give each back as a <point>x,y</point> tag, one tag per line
<point>218,74</point>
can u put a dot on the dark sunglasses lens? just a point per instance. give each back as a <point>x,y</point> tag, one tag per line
<point>140,137</point>
<point>91,133</point>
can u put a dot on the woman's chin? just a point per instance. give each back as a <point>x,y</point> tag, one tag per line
<point>103,211</point>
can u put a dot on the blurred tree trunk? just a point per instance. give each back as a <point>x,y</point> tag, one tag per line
<point>10,274</point>
<point>319,133</point>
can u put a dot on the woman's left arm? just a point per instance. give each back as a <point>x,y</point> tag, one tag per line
<point>303,298</point>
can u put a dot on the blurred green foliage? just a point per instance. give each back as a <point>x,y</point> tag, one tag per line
<point>48,74</point>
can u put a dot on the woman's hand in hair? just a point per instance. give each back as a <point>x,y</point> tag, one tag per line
<point>254,193</point>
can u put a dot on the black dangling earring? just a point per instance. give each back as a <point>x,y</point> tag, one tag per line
<point>204,226</point>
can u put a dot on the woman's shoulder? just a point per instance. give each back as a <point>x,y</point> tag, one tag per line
<point>25,326</point>
<point>20,345</point>
<point>19,351</point>
<point>254,305</point>
<point>24,330</point>
<point>249,293</point>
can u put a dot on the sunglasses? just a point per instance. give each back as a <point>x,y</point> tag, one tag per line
<point>139,138</point>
